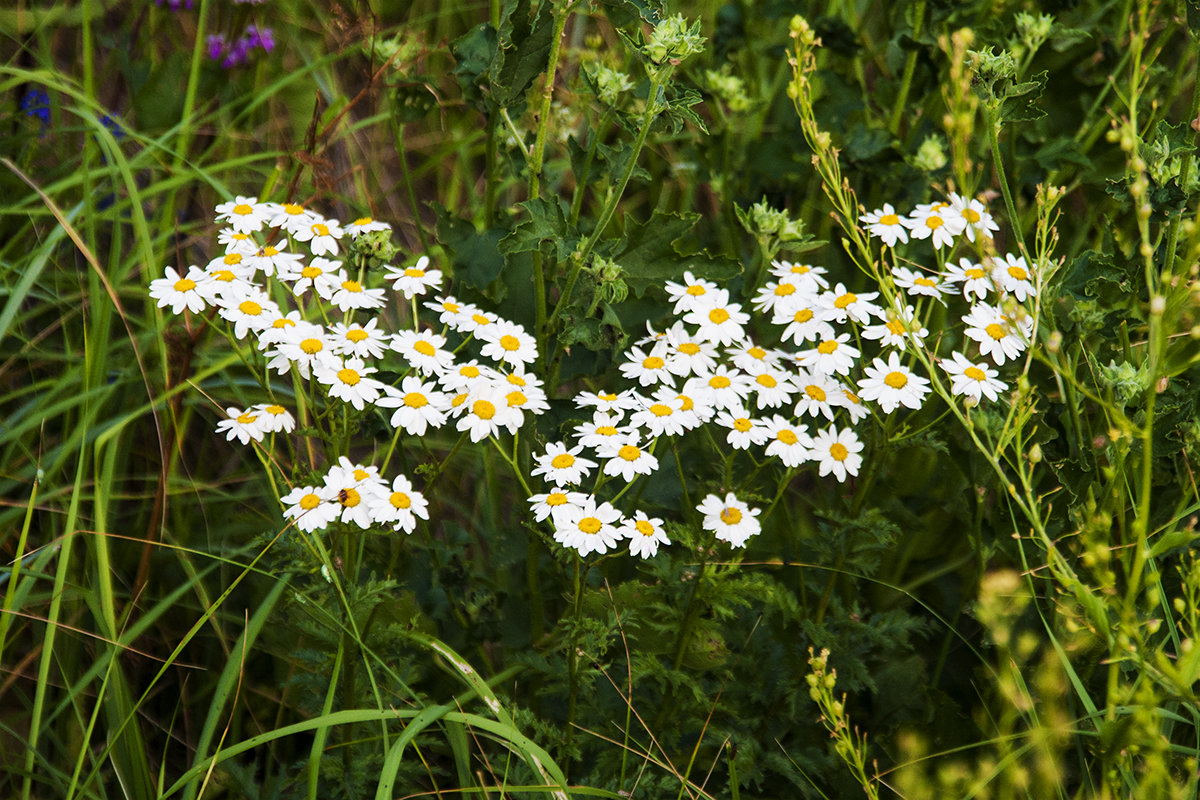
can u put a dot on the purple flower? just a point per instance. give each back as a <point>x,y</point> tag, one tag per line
<point>36,103</point>
<point>174,5</point>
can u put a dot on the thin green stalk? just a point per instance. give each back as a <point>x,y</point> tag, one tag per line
<point>993,129</point>
<point>1185,175</point>
<point>910,68</point>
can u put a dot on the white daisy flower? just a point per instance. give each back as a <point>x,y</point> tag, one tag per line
<point>723,388</point>
<point>604,429</point>
<point>975,215</point>
<point>837,452</point>
<point>843,304</point>
<point>917,283</point>
<point>465,375</point>
<point>617,403</point>
<point>401,506</point>
<point>507,342</point>
<point>892,384</point>
<point>544,505</point>
<point>772,388</point>
<point>189,291</point>
<point>313,508</point>
<point>277,331</point>
<point>588,528</point>
<point>274,418</point>
<point>832,356</point>
<point>787,440</point>
<point>415,280</point>
<point>897,330</point>
<point>363,341</point>
<point>424,350</point>
<point>730,519</point>
<point>348,381</point>
<point>648,368</point>
<point>241,425</point>
<point>271,260</point>
<point>854,405</point>
<point>787,292</point>
<point>800,273</point>
<point>688,355</point>
<point>237,242</point>
<point>644,533</point>
<point>1013,275</point>
<point>804,322</point>
<point>971,379</point>
<point>997,334</point>
<point>221,281</point>
<point>563,466</point>
<point>886,224</point>
<point>244,214</point>
<point>351,295</point>
<point>721,323</point>
<point>663,415</point>
<point>937,222</point>
<point>975,279</point>
<point>321,275</point>
<point>475,322</point>
<point>626,458</point>
<point>817,393</point>
<point>322,236</point>
<point>419,405</point>
<point>366,225</point>
<point>252,310</point>
<point>303,345</point>
<point>752,359</point>
<point>292,217</point>
<point>450,311</point>
<point>743,431</point>
<point>690,293</point>
<point>483,413</point>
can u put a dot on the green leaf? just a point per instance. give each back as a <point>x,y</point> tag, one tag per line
<point>546,223</point>
<point>474,51</point>
<point>523,53</point>
<point>650,257</point>
<point>475,255</point>
<point>1020,100</point>
<point>625,12</point>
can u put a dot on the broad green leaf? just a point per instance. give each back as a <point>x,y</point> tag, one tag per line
<point>546,223</point>
<point>649,256</point>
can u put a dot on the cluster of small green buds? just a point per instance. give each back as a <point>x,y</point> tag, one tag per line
<point>763,220</point>
<point>728,88</point>
<point>608,83</point>
<point>799,29</point>
<point>931,155</point>
<point>673,41</point>
<point>373,249</point>
<point>1033,31</point>
<point>610,280</point>
<point>991,70</point>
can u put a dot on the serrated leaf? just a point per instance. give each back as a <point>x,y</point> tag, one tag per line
<point>523,53</point>
<point>475,256</point>
<point>1020,100</point>
<point>649,257</point>
<point>474,53</point>
<point>546,223</point>
<point>623,12</point>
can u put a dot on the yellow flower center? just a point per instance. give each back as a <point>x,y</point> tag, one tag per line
<point>731,516</point>
<point>312,346</point>
<point>415,400</point>
<point>896,327</point>
<point>896,380</point>
<point>975,374</point>
<point>653,362</point>
<point>348,376</point>
<point>803,315</point>
<point>357,335</point>
<point>293,208</point>
<point>425,348</point>
<point>996,331</point>
<point>468,371</point>
<point>400,500</point>
<point>766,380</point>
<point>483,409</point>
<point>414,272</point>
<point>975,273</point>
<point>225,276</point>
<point>630,452</point>
<point>742,424</point>
<point>644,527</point>
<point>363,221</point>
<point>310,501</point>
<point>185,285</point>
<point>310,272</point>
<point>718,315</point>
<point>800,269</point>
<point>838,451</point>
<point>926,282</point>
<point>516,399</point>
<point>1018,273</point>
<point>349,497</point>
<point>689,348</point>
<point>562,461</point>
<point>606,396</point>
<point>250,307</point>
<point>660,410</point>
<point>232,258</point>
<point>934,222</point>
<point>556,499</point>
<point>352,286</point>
<point>606,430</point>
<point>828,346</point>
<point>852,397</point>
<point>590,525</point>
<point>889,219</point>
<point>757,352</point>
<point>786,436</point>
<point>360,474</point>
<point>453,308</point>
<point>283,322</point>
<point>275,410</point>
<point>268,251</point>
<point>971,215</point>
<point>515,379</point>
<point>784,289</point>
<point>243,208</point>
<point>719,382</point>
<point>688,404</point>
<point>815,392</point>
<point>247,417</point>
<point>320,229</point>
<point>480,319</point>
<point>844,300</point>
<point>695,290</point>
<point>510,343</point>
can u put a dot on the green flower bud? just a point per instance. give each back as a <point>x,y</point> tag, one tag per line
<point>674,40</point>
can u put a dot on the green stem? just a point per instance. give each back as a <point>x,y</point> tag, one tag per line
<point>993,126</point>
<point>910,67</point>
<point>1185,174</point>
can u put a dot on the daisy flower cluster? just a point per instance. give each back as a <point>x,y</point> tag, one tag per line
<point>283,287</point>
<point>997,288</point>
